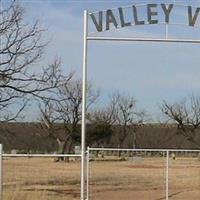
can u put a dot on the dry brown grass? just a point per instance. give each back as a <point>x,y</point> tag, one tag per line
<point>43,179</point>
<point>40,178</point>
<point>145,180</point>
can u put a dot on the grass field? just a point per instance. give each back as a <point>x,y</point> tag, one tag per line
<point>40,178</point>
<point>143,179</point>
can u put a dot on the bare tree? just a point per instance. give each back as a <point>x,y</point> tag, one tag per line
<point>186,115</point>
<point>62,115</point>
<point>123,116</point>
<point>21,48</point>
<point>127,117</point>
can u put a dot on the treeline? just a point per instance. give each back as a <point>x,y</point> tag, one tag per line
<point>30,138</point>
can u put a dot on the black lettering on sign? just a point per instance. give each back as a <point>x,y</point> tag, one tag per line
<point>135,15</point>
<point>123,23</point>
<point>151,12</point>
<point>192,19</point>
<point>99,24</point>
<point>121,17</point>
<point>110,18</point>
<point>167,11</point>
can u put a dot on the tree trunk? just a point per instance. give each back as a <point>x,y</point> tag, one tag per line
<point>68,149</point>
<point>61,148</point>
<point>134,140</point>
<point>119,152</point>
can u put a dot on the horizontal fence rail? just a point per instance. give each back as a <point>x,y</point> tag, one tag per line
<point>41,155</point>
<point>153,150</point>
<point>153,173</point>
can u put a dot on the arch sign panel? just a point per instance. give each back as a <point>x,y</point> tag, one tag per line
<point>117,18</point>
<point>143,14</point>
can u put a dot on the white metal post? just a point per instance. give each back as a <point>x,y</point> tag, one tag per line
<point>1,172</point>
<point>167,175</point>
<point>84,94</point>
<point>88,172</point>
<point>166,31</point>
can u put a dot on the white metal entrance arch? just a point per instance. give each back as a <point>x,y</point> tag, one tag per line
<point>192,18</point>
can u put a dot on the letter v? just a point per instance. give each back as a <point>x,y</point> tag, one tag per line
<point>99,24</point>
<point>192,19</point>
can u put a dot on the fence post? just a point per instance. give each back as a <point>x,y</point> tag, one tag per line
<point>1,172</point>
<point>87,175</point>
<point>167,175</point>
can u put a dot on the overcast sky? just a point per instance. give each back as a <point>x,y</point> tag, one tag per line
<point>148,71</point>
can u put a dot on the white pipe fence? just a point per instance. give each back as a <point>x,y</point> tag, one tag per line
<point>167,165</point>
<point>5,156</point>
<point>161,159</point>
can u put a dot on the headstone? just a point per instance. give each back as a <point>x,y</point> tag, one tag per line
<point>77,149</point>
<point>13,151</point>
<point>136,159</point>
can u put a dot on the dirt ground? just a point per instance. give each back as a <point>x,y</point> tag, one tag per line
<point>140,179</point>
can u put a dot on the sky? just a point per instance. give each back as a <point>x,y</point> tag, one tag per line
<point>151,72</point>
